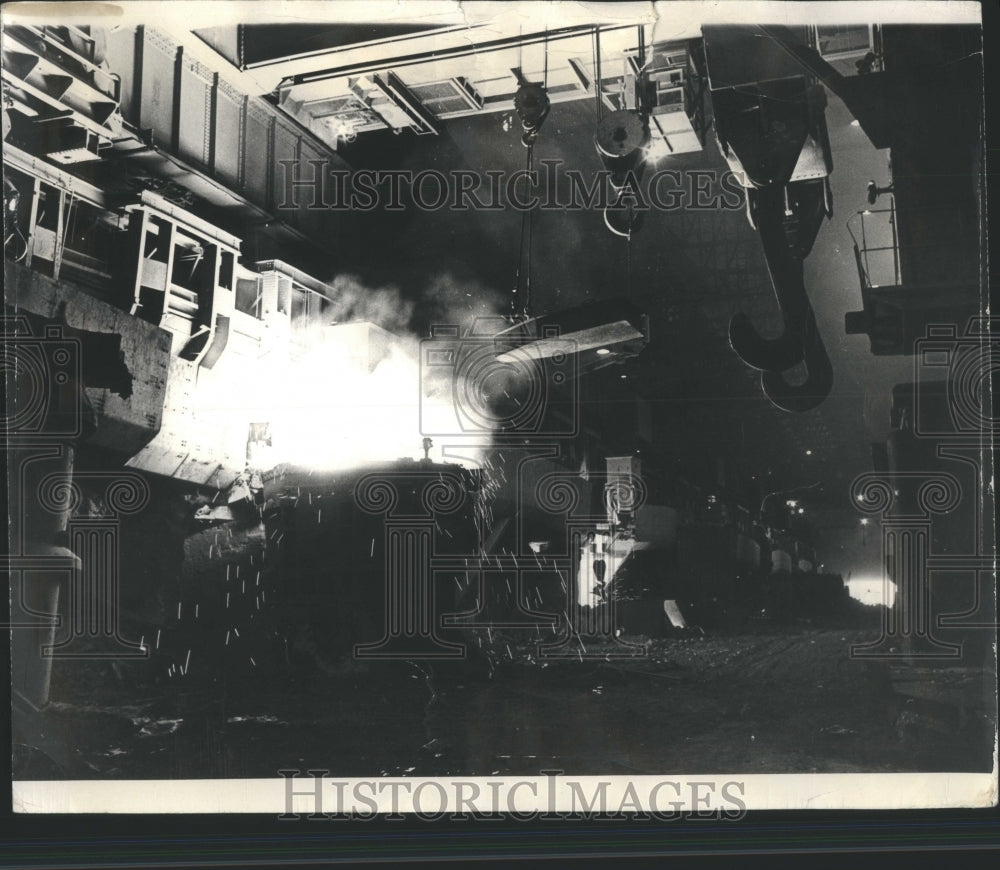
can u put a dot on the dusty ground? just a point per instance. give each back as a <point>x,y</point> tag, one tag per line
<point>770,698</point>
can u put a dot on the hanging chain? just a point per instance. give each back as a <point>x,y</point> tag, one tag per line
<point>521,311</point>
<point>527,276</point>
<point>628,259</point>
<point>597,73</point>
<point>520,303</point>
<point>628,263</point>
<point>545,73</point>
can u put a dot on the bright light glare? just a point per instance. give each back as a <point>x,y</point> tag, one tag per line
<point>349,397</point>
<point>872,590</point>
<point>657,150</point>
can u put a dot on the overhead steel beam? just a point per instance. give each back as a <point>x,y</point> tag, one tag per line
<point>55,176</point>
<point>466,49</point>
<point>403,98</point>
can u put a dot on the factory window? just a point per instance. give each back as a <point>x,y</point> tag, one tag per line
<point>299,305</point>
<point>47,231</point>
<point>19,191</point>
<point>248,296</point>
<point>151,278</point>
<point>344,117</point>
<point>49,202</point>
<point>307,306</point>
<point>226,270</point>
<point>448,97</point>
<point>665,58</point>
<point>669,99</point>
<point>89,241</point>
<point>284,288</point>
<point>843,40</point>
<point>191,266</point>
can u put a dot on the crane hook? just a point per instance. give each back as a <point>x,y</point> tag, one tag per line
<point>788,218</point>
<point>810,393</point>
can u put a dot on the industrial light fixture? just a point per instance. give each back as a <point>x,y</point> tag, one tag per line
<point>657,150</point>
<point>342,130</point>
<point>603,351</point>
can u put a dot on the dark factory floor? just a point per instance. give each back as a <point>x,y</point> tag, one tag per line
<point>770,699</point>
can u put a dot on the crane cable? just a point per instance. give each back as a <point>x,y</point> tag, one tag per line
<point>526,233</point>
<point>597,74</point>
<point>628,261</point>
<point>521,262</point>
<point>527,276</point>
<point>643,62</point>
<point>545,68</point>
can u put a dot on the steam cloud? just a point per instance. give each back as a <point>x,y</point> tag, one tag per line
<point>350,390</point>
<point>445,300</point>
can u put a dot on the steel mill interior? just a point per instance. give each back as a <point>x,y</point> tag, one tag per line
<point>434,395</point>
